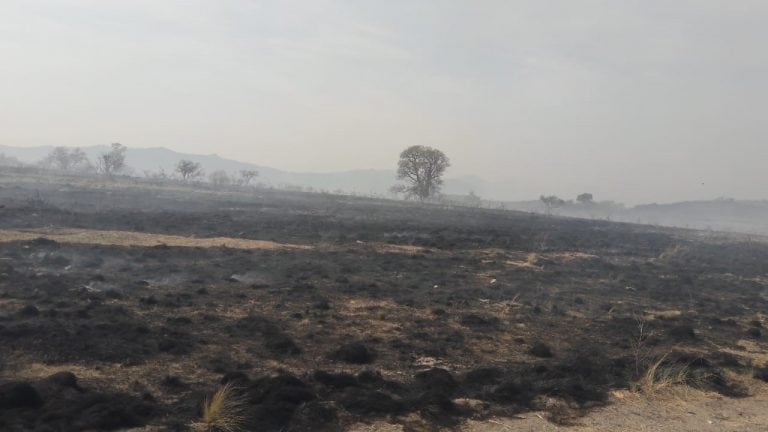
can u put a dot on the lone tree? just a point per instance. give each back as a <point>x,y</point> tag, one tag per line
<point>246,176</point>
<point>113,161</point>
<point>188,170</point>
<point>64,159</point>
<point>551,202</point>
<point>585,198</point>
<point>422,170</point>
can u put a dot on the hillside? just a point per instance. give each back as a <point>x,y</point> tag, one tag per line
<point>749,217</point>
<point>362,181</point>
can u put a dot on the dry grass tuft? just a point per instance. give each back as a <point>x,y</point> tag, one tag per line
<point>223,412</point>
<point>659,377</point>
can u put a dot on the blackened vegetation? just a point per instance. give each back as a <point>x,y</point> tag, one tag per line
<point>273,338</point>
<point>92,333</point>
<point>283,401</point>
<point>506,310</point>
<point>355,353</point>
<point>59,403</point>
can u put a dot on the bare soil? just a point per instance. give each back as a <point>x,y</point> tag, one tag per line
<point>124,305</point>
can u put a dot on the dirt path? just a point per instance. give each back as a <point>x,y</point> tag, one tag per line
<point>696,411</point>
<point>132,238</point>
<point>693,412</point>
<point>143,239</point>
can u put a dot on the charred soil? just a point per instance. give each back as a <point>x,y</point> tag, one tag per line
<point>388,310</point>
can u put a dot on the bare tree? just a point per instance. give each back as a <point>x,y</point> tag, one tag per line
<point>422,170</point>
<point>246,176</point>
<point>113,161</point>
<point>220,179</point>
<point>551,203</point>
<point>188,170</point>
<point>64,159</point>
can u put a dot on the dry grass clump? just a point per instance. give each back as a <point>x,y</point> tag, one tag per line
<point>223,411</point>
<point>659,377</point>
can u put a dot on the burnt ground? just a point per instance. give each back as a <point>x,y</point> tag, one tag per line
<point>419,315</point>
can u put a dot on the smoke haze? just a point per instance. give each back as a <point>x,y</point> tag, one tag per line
<point>651,101</point>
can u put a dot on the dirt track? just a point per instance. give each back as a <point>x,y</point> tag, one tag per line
<point>129,238</point>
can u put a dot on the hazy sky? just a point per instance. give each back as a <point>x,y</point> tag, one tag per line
<point>631,100</point>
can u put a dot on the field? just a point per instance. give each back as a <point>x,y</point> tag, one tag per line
<point>125,305</point>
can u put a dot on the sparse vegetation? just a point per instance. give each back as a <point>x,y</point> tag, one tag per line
<point>220,179</point>
<point>640,351</point>
<point>473,200</point>
<point>551,203</point>
<point>660,376</point>
<point>67,159</point>
<point>157,177</point>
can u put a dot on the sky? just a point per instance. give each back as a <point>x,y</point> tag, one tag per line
<point>635,101</point>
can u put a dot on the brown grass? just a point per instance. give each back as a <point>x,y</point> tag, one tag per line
<point>142,239</point>
<point>132,238</point>
<point>659,377</point>
<point>223,411</point>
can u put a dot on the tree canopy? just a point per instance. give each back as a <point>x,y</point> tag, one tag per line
<point>113,161</point>
<point>188,170</point>
<point>65,159</point>
<point>422,169</point>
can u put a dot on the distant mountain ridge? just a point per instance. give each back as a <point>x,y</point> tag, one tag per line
<point>718,214</point>
<point>153,159</point>
<point>743,216</point>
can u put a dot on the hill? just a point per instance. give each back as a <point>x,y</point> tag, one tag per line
<point>362,181</point>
